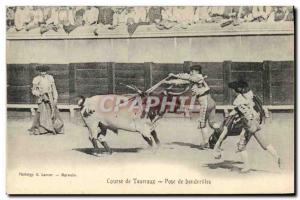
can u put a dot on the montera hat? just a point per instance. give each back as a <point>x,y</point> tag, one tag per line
<point>42,68</point>
<point>239,86</point>
<point>197,68</point>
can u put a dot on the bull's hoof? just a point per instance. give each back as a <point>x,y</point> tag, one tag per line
<point>157,142</point>
<point>33,131</point>
<point>204,145</point>
<point>279,163</point>
<point>245,170</point>
<point>107,153</point>
<point>94,143</point>
<point>148,140</point>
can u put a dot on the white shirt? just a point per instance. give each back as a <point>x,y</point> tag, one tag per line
<point>140,14</point>
<point>91,15</point>
<point>21,17</point>
<point>66,16</point>
<point>245,104</point>
<point>38,16</point>
<point>199,86</point>
<point>202,12</point>
<point>53,16</point>
<point>167,13</point>
<point>44,84</point>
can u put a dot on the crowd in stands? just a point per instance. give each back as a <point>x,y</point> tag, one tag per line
<point>96,18</point>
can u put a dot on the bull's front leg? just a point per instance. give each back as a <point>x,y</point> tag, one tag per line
<point>148,140</point>
<point>101,137</point>
<point>93,135</point>
<point>94,142</point>
<point>148,134</point>
<point>154,135</point>
<point>96,134</point>
<point>217,148</point>
<point>143,128</point>
<point>106,147</point>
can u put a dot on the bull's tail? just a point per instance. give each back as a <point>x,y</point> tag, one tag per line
<point>81,101</point>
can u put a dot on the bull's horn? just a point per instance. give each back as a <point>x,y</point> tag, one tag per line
<point>81,101</point>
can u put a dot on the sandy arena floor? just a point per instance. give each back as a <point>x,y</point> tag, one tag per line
<point>178,157</point>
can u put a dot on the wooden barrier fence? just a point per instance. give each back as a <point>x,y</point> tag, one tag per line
<point>273,81</point>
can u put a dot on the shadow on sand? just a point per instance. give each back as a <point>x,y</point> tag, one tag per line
<point>194,146</point>
<point>230,165</point>
<point>94,152</point>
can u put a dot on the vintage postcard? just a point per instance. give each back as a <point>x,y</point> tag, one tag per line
<point>150,100</point>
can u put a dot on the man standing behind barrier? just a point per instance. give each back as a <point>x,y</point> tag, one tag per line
<point>47,119</point>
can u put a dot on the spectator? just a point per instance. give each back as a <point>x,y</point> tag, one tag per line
<point>105,20</point>
<point>91,15</point>
<point>268,10</point>
<point>184,16</point>
<point>176,14</point>
<point>136,16</point>
<point>289,13</point>
<point>230,12</point>
<point>51,20</point>
<point>215,14</point>
<point>216,11</point>
<point>222,14</point>
<point>89,20</point>
<point>99,19</point>
<point>245,14</point>
<point>22,17</point>
<point>119,16</point>
<point>105,15</point>
<point>201,14</point>
<point>65,19</point>
<point>79,15</point>
<point>130,15</point>
<point>66,16</point>
<point>154,14</point>
<point>278,14</point>
<point>130,20</point>
<point>140,14</point>
<point>167,13</point>
<point>259,13</point>
<point>168,20</point>
<point>230,16</point>
<point>10,17</point>
<point>51,15</point>
<point>37,16</point>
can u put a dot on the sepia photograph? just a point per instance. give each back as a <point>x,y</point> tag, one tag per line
<point>150,100</point>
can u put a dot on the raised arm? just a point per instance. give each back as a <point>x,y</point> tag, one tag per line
<point>182,76</point>
<point>177,82</point>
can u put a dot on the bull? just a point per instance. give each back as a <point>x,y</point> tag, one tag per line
<point>125,115</point>
<point>119,112</point>
<point>98,121</point>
